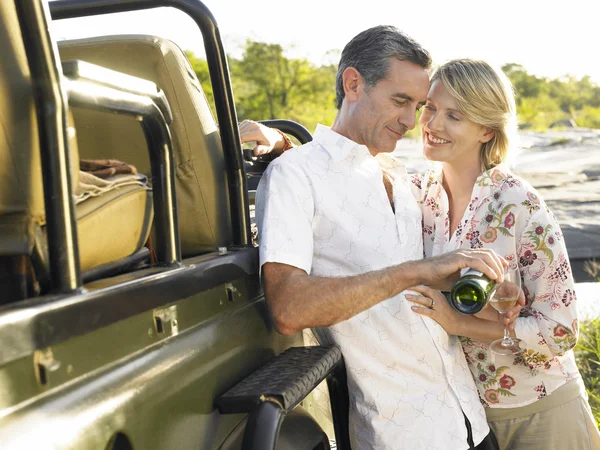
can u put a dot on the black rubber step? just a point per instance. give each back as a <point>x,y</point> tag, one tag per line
<point>287,379</point>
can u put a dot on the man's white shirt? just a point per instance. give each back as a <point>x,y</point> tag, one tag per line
<point>323,208</point>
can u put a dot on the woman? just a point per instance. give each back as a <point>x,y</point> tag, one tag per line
<point>535,399</point>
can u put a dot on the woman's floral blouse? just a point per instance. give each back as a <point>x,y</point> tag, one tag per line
<point>506,215</point>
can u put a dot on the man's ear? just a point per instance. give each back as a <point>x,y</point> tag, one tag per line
<point>487,135</point>
<point>353,84</point>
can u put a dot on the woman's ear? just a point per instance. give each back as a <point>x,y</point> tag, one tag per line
<point>352,82</point>
<point>487,134</point>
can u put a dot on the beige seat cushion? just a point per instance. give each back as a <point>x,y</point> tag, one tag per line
<point>201,185</point>
<point>113,225</point>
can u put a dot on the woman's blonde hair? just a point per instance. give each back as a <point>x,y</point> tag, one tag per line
<point>485,96</point>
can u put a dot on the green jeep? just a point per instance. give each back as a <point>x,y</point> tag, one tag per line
<point>132,311</point>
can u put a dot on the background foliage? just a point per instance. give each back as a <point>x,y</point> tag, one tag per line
<point>587,351</point>
<point>542,101</point>
<point>587,354</point>
<point>267,84</point>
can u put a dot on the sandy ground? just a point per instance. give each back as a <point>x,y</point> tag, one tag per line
<point>564,167</point>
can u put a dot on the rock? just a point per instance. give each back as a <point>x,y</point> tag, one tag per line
<point>565,123</point>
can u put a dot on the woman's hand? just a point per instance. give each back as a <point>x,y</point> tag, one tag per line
<point>432,303</point>
<point>489,313</point>
<point>267,139</point>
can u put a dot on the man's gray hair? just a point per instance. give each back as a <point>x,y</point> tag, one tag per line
<point>370,52</point>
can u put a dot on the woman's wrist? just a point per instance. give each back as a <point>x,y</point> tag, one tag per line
<point>284,142</point>
<point>482,330</point>
<point>462,324</point>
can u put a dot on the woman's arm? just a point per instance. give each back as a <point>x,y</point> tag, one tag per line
<point>548,324</point>
<point>267,139</point>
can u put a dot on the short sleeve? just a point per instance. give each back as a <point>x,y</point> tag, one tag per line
<point>284,215</point>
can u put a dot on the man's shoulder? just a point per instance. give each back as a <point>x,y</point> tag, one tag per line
<point>299,158</point>
<point>292,170</point>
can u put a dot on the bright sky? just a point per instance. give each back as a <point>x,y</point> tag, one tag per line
<point>548,37</point>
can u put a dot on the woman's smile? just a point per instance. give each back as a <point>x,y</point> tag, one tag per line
<point>432,139</point>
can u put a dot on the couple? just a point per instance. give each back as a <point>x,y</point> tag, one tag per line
<point>343,231</point>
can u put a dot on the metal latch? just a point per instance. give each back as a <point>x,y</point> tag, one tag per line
<point>43,364</point>
<point>232,292</point>
<point>165,320</point>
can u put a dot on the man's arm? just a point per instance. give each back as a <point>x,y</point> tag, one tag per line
<point>298,300</point>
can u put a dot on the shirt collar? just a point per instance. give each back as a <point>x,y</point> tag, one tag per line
<point>338,146</point>
<point>391,165</point>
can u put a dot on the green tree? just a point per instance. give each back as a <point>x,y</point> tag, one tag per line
<point>539,112</point>
<point>526,85</point>
<point>574,94</point>
<point>588,117</point>
<point>268,85</point>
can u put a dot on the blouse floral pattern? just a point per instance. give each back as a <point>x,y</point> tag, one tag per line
<point>507,215</point>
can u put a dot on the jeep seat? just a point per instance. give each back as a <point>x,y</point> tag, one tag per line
<point>201,185</point>
<point>111,226</point>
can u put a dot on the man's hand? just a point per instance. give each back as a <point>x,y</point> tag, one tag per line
<point>267,139</point>
<point>443,271</point>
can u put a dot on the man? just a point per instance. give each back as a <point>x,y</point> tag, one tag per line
<point>340,242</point>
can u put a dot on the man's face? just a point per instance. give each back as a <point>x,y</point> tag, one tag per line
<point>383,113</point>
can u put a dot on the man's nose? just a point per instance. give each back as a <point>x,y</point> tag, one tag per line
<point>408,120</point>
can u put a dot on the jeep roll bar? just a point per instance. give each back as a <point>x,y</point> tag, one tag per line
<point>221,85</point>
<point>110,92</point>
<point>51,110</point>
<point>69,311</point>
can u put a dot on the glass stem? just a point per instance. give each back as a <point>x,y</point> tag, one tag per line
<point>507,341</point>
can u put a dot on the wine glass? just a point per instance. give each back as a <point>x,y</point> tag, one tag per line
<point>505,297</point>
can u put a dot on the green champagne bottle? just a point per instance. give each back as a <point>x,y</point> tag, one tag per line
<point>472,292</point>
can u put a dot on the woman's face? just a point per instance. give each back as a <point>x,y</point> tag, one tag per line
<point>447,135</point>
